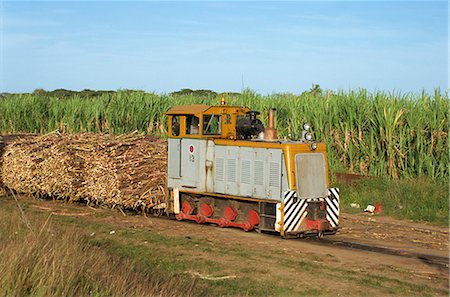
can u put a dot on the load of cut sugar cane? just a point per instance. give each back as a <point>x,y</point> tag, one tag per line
<point>127,170</point>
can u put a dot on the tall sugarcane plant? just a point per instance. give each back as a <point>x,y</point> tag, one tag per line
<point>378,134</point>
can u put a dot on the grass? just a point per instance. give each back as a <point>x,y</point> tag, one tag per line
<point>376,134</point>
<point>77,256</point>
<point>53,260</point>
<point>419,199</point>
<point>63,256</point>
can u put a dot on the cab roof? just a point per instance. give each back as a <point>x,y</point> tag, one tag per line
<point>200,108</point>
<point>189,109</point>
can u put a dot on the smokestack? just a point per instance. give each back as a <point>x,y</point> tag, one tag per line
<point>270,133</point>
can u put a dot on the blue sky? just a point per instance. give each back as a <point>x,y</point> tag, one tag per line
<point>224,46</point>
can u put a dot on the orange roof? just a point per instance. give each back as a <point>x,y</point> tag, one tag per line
<point>189,109</point>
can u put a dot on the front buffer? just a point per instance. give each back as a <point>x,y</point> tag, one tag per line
<point>309,217</point>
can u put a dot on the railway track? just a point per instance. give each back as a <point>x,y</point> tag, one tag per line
<point>437,261</point>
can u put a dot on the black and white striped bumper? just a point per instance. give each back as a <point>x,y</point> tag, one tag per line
<point>295,210</point>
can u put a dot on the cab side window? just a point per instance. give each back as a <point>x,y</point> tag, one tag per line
<point>175,125</point>
<point>211,124</point>
<point>192,125</point>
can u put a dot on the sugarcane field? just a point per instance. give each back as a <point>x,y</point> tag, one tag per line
<point>224,148</point>
<point>102,192</point>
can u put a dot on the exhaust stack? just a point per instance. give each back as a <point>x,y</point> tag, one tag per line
<point>270,133</point>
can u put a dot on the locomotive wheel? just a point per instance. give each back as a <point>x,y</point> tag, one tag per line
<point>227,212</point>
<point>230,213</point>
<point>253,217</point>
<point>158,212</point>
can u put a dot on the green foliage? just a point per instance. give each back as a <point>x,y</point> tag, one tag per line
<point>64,94</point>
<point>315,90</point>
<point>418,199</point>
<point>376,134</point>
<point>39,92</point>
<point>198,93</point>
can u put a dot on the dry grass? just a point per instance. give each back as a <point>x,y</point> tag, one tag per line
<point>126,171</point>
<point>51,260</point>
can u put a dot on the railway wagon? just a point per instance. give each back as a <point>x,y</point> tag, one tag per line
<point>225,168</point>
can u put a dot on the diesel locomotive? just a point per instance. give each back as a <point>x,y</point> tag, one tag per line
<point>226,168</point>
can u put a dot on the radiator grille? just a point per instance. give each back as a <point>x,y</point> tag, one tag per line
<point>274,175</point>
<point>311,176</point>
<point>259,173</point>
<point>231,170</point>
<point>219,169</point>
<point>246,172</point>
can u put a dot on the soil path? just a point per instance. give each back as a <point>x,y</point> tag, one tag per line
<point>326,269</point>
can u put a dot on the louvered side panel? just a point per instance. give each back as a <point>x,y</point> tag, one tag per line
<point>259,172</point>
<point>219,170</point>
<point>275,167</point>
<point>245,174</point>
<point>274,175</point>
<point>231,170</point>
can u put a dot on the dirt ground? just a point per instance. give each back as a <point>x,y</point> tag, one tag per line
<point>394,233</point>
<point>327,270</point>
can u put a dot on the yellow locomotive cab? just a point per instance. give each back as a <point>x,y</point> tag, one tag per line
<point>226,168</point>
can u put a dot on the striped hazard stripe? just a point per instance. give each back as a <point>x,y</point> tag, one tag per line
<point>295,209</point>
<point>332,203</point>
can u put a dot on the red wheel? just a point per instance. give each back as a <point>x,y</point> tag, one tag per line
<point>253,217</point>
<point>230,213</point>
<point>186,208</point>
<point>206,210</point>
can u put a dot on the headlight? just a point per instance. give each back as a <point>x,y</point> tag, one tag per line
<point>308,136</point>
<point>306,126</point>
<point>313,146</point>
